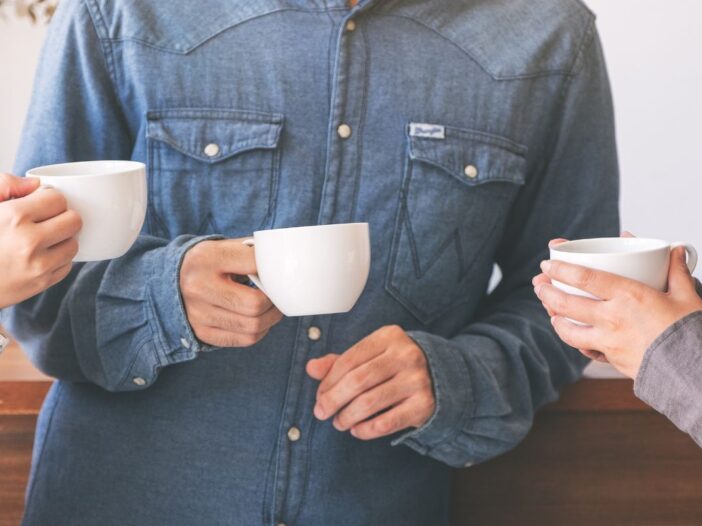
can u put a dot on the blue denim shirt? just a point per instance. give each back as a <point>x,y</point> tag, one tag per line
<point>479,131</point>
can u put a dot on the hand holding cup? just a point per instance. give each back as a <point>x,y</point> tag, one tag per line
<point>223,311</point>
<point>37,238</point>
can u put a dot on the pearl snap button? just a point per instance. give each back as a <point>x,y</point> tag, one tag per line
<point>314,333</point>
<point>212,150</point>
<point>351,26</point>
<point>294,434</point>
<point>185,343</point>
<point>139,381</point>
<point>344,131</point>
<point>471,171</point>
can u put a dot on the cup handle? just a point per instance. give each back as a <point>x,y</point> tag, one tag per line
<point>254,277</point>
<point>691,254</point>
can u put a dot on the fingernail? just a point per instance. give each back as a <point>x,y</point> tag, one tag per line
<point>537,290</point>
<point>319,412</point>
<point>353,431</point>
<point>545,265</point>
<point>553,320</point>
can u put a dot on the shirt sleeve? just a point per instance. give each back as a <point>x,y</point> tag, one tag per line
<point>491,378</point>
<point>113,323</point>
<point>670,377</point>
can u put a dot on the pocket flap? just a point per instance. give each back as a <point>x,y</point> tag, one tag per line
<point>214,135</point>
<point>470,156</point>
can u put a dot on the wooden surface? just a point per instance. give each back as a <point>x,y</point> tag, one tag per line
<point>598,457</point>
<point>14,366</point>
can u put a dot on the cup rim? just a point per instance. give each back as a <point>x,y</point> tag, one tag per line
<point>661,244</point>
<point>308,227</point>
<point>115,167</point>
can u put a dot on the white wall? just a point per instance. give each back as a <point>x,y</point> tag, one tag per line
<point>654,52</point>
<point>20,43</point>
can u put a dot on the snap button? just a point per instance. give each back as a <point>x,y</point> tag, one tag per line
<point>138,380</point>
<point>294,434</point>
<point>471,171</point>
<point>212,150</point>
<point>351,26</point>
<point>185,343</point>
<point>344,131</point>
<point>314,333</point>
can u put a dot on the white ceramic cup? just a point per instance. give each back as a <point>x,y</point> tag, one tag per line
<point>109,196</point>
<point>640,259</point>
<point>312,270</point>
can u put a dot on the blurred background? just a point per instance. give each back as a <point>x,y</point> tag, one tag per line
<point>654,52</point>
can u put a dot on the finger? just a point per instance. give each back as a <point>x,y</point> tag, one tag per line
<point>219,318</point>
<point>541,279</point>
<point>556,241</point>
<point>60,254</point>
<point>577,308</point>
<point>221,338</point>
<point>59,228</point>
<point>40,206</point>
<point>364,351</point>
<point>626,233</point>
<point>396,419</point>
<point>577,336</point>
<point>232,296</point>
<point>680,282</point>
<point>594,355</point>
<point>60,274</point>
<point>13,187</point>
<point>375,400</point>
<point>318,368</point>
<point>602,284</point>
<point>354,383</point>
<point>236,258</point>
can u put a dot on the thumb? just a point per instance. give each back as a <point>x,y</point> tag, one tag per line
<point>318,368</point>
<point>236,258</point>
<point>679,278</point>
<point>12,187</point>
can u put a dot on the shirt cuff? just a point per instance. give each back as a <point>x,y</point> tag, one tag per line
<point>452,393</point>
<point>168,318</point>
<point>663,358</point>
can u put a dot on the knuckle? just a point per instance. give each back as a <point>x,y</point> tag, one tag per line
<point>75,220</point>
<point>584,276</point>
<point>17,216</point>
<point>384,424</point>
<point>355,382</point>
<point>367,403</point>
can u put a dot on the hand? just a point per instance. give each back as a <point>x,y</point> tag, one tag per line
<point>379,386</point>
<point>629,317</point>
<point>544,279</point>
<point>37,241</point>
<point>222,311</point>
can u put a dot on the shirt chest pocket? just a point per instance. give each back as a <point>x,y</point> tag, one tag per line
<point>212,171</point>
<point>456,194</point>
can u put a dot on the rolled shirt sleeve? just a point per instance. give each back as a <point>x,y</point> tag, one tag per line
<point>490,379</point>
<point>670,377</point>
<point>114,323</point>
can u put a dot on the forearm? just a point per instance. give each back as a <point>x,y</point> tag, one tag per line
<point>670,377</point>
<point>115,324</point>
<point>489,381</point>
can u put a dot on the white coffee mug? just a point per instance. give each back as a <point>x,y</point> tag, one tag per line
<point>109,196</point>
<point>312,270</point>
<point>640,259</point>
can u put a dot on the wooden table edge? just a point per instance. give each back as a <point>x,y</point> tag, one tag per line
<point>585,396</point>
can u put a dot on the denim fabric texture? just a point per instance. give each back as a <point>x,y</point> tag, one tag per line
<point>479,131</point>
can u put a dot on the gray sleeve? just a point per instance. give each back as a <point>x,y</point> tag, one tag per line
<point>670,378</point>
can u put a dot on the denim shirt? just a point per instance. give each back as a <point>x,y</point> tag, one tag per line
<point>478,132</point>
